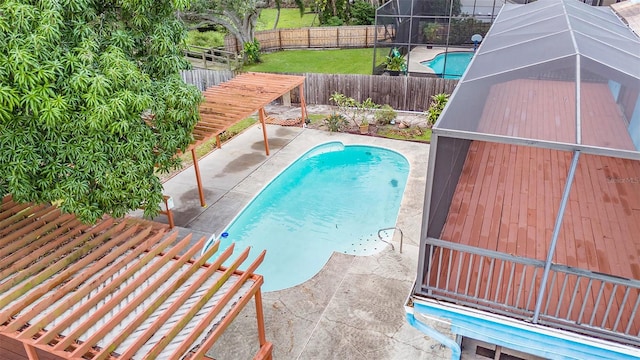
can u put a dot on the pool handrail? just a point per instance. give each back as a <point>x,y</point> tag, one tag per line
<point>388,242</point>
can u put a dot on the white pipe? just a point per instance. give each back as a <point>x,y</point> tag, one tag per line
<point>434,334</point>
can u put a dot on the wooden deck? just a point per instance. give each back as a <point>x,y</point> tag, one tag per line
<point>545,110</point>
<point>507,200</point>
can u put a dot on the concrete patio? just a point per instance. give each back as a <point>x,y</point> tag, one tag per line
<point>353,308</point>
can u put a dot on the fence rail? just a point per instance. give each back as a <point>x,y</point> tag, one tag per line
<point>204,79</point>
<point>577,300</point>
<point>213,57</point>
<point>315,38</point>
<point>400,92</point>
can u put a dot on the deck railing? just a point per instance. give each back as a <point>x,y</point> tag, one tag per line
<point>576,300</point>
<point>212,57</point>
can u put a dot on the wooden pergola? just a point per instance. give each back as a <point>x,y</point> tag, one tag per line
<point>232,101</point>
<point>113,290</point>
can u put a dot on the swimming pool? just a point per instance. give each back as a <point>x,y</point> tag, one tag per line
<point>457,63</point>
<point>333,198</point>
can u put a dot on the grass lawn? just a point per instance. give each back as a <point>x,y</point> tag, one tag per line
<point>334,61</point>
<point>289,19</point>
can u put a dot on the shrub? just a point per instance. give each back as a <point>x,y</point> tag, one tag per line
<point>356,111</point>
<point>385,115</point>
<point>206,39</point>
<point>335,122</point>
<point>433,33</point>
<point>438,102</point>
<point>334,21</point>
<point>328,10</point>
<point>395,61</point>
<point>252,52</point>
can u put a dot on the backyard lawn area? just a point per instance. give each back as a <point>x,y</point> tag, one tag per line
<point>289,19</point>
<point>334,61</point>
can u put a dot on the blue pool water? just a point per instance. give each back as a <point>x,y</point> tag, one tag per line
<point>457,63</point>
<point>333,198</point>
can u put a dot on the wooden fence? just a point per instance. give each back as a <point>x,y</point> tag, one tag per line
<point>401,92</point>
<point>203,79</point>
<point>211,57</point>
<point>315,37</point>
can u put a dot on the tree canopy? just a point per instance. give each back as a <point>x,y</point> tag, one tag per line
<point>239,17</point>
<point>91,102</point>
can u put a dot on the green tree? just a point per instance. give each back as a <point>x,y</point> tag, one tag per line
<point>239,17</point>
<point>91,102</point>
<point>328,9</point>
<point>362,13</point>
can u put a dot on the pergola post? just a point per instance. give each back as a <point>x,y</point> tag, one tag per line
<point>260,317</point>
<point>262,115</point>
<point>303,104</point>
<point>31,352</point>
<point>196,167</point>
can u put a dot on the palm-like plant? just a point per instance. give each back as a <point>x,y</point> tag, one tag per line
<point>438,103</point>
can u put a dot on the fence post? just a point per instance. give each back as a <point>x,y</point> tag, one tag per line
<point>366,36</point>
<point>406,85</point>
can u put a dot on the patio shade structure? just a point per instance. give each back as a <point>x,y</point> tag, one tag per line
<point>234,100</point>
<point>532,205</point>
<point>113,290</point>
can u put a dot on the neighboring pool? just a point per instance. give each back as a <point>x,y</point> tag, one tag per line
<point>333,198</point>
<point>457,63</point>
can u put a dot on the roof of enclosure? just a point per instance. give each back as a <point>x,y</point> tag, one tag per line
<point>549,59</point>
<point>116,289</point>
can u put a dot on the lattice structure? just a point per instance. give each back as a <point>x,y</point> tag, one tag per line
<point>114,290</point>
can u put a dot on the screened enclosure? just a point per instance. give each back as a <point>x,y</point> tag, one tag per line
<point>532,205</point>
<point>440,24</point>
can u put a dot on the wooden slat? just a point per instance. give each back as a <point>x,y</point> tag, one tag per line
<point>93,340</point>
<point>81,278</point>
<point>20,219</point>
<point>39,271</point>
<point>38,227</point>
<point>202,301</point>
<point>95,248</point>
<point>41,244</point>
<point>148,332</point>
<point>204,322</point>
